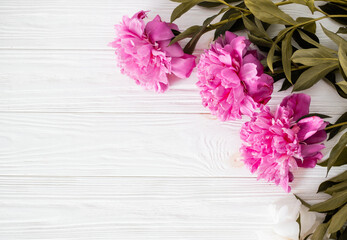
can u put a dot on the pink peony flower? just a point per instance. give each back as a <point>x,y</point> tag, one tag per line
<point>231,78</point>
<point>276,144</point>
<point>143,53</point>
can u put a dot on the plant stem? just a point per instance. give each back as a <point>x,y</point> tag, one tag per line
<point>336,125</point>
<point>293,69</point>
<point>234,7</point>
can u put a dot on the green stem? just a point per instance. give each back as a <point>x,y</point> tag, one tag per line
<point>281,70</point>
<point>234,7</point>
<point>336,125</point>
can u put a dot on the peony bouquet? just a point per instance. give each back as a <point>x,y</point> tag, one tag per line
<point>236,76</point>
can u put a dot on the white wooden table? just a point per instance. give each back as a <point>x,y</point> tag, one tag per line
<point>87,154</point>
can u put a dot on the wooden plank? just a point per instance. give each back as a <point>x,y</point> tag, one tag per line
<point>87,24</point>
<point>88,81</point>
<point>137,208</point>
<point>92,144</point>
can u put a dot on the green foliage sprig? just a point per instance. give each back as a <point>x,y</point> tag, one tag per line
<point>300,68</point>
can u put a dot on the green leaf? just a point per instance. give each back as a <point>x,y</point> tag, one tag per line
<point>338,220</point>
<point>336,151</point>
<point>306,238</point>
<point>231,13</point>
<point>298,220</point>
<point>287,51</point>
<point>188,33</point>
<point>336,201</point>
<point>341,160</point>
<point>311,27</point>
<point>320,231</point>
<point>343,235</point>
<point>336,9</point>
<point>333,36</point>
<point>267,11</point>
<point>337,188</point>
<point>309,3</point>
<point>253,29</point>
<point>271,53</point>
<point>342,54</point>
<point>342,30</point>
<point>336,130</point>
<point>333,181</point>
<point>189,48</point>
<point>312,56</point>
<point>305,37</point>
<point>343,86</point>
<point>183,8</point>
<point>261,41</point>
<point>314,114</point>
<point>303,202</point>
<point>312,75</point>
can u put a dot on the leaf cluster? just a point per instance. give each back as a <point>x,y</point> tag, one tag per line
<point>295,54</point>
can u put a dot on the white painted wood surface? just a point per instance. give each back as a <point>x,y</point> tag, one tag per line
<point>87,154</point>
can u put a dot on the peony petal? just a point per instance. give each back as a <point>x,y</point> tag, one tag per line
<point>298,103</point>
<point>174,50</point>
<point>318,137</point>
<point>308,127</point>
<point>158,31</point>
<point>182,67</point>
<point>310,150</point>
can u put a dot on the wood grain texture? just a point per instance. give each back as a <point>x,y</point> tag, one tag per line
<point>88,81</point>
<point>87,154</point>
<point>81,24</point>
<point>136,208</point>
<point>94,144</point>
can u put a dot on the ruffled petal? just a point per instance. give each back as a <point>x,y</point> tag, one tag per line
<point>299,105</point>
<point>183,66</point>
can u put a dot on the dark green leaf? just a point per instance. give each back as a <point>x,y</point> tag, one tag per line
<point>312,75</point>
<point>210,4</point>
<point>320,231</point>
<point>332,80</point>
<point>306,238</point>
<point>343,85</point>
<point>333,36</point>
<point>341,160</point>
<point>313,57</point>
<point>287,51</point>
<point>336,201</point>
<point>188,33</point>
<point>333,9</point>
<point>336,130</point>
<point>336,151</point>
<point>337,188</point>
<point>303,202</point>
<point>314,114</point>
<point>310,27</point>
<point>189,48</point>
<point>225,27</point>
<point>183,8</point>
<point>271,53</point>
<point>335,180</point>
<point>298,220</point>
<point>253,29</point>
<point>309,3</point>
<point>342,54</point>
<point>342,30</point>
<point>260,42</point>
<point>302,43</point>
<point>267,11</point>
<point>309,39</point>
<point>338,220</point>
<point>343,235</point>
